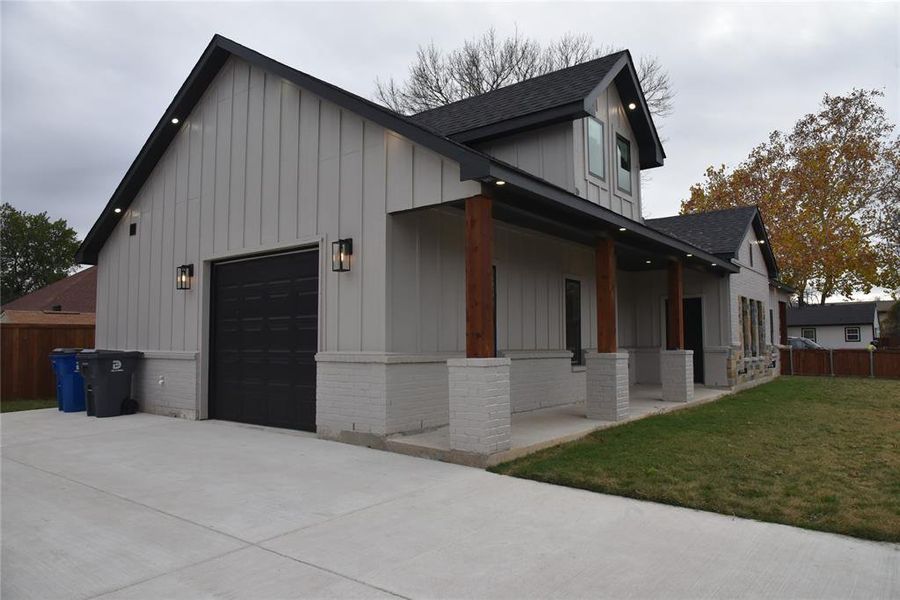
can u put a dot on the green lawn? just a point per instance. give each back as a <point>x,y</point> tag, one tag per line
<point>15,404</point>
<point>815,452</point>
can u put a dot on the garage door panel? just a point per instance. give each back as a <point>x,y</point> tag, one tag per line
<point>265,336</point>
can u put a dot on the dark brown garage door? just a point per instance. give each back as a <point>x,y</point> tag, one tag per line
<point>264,339</point>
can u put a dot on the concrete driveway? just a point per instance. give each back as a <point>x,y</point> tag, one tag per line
<point>152,507</point>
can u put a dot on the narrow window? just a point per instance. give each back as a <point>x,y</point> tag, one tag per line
<point>132,229</point>
<point>851,334</point>
<point>761,311</point>
<point>750,249</point>
<point>623,174</point>
<point>595,148</point>
<point>573,320</point>
<point>809,333</point>
<point>754,329</point>
<point>771,326</point>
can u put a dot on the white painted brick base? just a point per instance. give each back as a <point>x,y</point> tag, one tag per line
<point>607,386</point>
<point>543,378</point>
<point>677,372</point>
<point>479,405</point>
<point>379,393</point>
<point>165,383</point>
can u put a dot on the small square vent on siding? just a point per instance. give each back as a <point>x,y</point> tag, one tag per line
<point>132,229</point>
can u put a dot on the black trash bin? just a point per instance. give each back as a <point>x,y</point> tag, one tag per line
<point>107,380</point>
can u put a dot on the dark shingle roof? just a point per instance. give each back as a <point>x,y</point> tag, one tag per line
<point>718,232</point>
<point>839,313</point>
<point>548,91</point>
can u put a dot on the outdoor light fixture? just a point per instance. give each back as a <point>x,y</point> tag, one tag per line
<point>689,255</point>
<point>175,121</point>
<point>117,210</point>
<point>762,242</point>
<point>647,261</point>
<point>713,265</point>
<point>500,182</point>
<point>622,229</point>
<point>632,106</point>
<point>341,251</point>
<point>183,276</point>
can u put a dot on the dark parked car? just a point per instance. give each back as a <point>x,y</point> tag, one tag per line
<point>802,343</point>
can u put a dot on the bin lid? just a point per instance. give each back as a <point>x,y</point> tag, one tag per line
<point>96,353</point>
<point>64,351</point>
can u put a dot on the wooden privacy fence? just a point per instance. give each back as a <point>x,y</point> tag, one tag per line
<point>25,356</point>
<point>841,363</point>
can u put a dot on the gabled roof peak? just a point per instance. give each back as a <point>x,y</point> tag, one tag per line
<point>558,96</point>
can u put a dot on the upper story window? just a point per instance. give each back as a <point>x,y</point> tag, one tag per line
<point>750,250</point>
<point>623,173</point>
<point>595,148</point>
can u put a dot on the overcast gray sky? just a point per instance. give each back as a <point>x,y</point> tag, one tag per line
<point>83,84</point>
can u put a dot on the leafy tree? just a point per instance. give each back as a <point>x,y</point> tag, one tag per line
<point>487,62</point>
<point>35,251</point>
<point>829,191</point>
<point>891,325</point>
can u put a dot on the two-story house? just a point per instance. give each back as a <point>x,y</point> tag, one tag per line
<point>287,253</point>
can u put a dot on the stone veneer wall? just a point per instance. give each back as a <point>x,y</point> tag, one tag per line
<point>746,371</point>
<point>165,383</point>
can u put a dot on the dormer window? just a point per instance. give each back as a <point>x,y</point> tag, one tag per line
<point>623,173</point>
<point>595,148</point>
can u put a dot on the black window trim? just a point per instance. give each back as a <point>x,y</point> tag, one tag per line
<point>858,333</point>
<point>620,137</point>
<point>812,337</point>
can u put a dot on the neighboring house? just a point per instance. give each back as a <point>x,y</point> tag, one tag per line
<point>70,300</point>
<point>287,253</point>
<point>58,315</point>
<point>837,325</point>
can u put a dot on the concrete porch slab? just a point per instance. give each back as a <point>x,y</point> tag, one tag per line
<point>542,428</point>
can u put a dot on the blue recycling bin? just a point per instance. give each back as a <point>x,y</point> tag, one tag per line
<point>69,384</point>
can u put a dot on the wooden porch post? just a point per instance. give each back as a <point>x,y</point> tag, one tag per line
<point>675,307</point>
<point>606,296</point>
<point>479,280</point>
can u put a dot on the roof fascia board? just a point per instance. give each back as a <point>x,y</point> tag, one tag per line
<point>473,164</point>
<point>580,206</point>
<point>566,112</point>
<point>153,149</point>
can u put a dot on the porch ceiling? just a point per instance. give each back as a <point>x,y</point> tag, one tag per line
<point>573,218</point>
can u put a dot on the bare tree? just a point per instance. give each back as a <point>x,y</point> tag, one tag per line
<point>487,62</point>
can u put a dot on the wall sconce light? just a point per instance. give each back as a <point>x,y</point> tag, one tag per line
<point>183,276</point>
<point>341,251</point>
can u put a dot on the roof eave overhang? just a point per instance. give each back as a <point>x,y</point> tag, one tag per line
<point>609,221</point>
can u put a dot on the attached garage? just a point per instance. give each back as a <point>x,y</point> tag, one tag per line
<point>264,337</point>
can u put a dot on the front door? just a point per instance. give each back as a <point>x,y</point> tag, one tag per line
<point>693,334</point>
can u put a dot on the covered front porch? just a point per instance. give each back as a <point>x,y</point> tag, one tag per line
<point>622,375</point>
<point>541,428</point>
